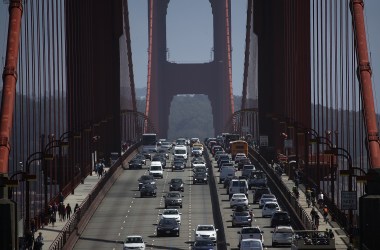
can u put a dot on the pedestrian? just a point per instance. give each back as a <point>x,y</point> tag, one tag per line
<point>312,214</point>
<point>76,208</point>
<point>52,219</point>
<point>325,213</point>
<point>29,238</point>
<point>316,221</point>
<point>61,208</point>
<point>33,226</point>
<point>331,234</point>
<point>63,213</point>
<point>100,169</point>
<point>320,199</point>
<point>68,211</point>
<point>39,242</point>
<point>61,198</point>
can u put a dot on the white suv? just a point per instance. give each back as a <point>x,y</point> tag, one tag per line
<point>238,186</point>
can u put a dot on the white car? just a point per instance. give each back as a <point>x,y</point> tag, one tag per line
<point>251,244</point>
<point>265,198</point>
<point>172,213</point>
<point>134,242</point>
<point>282,235</point>
<point>205,232</point>
<point>238,199</point>
<point>251,233</point>
<point>269,208</point>
<point>198,163</point>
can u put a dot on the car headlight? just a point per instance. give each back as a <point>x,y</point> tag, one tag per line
<point>198,235</point>
<point>177,228</point>
<point>205,178</point>
<point>181,185</point>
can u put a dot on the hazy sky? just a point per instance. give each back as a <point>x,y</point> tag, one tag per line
<point>189,27</point>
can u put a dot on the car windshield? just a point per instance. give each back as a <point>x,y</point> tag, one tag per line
<point>173,195</point>
<point>155,168</point>
<point>146,177</point>
<point>251,243</point>
<point>180,151</point>
<point>239,196</point>
<point>176,181</point>
<point>250,230</point>
<point>241,214</point>
<point>205,228</point>
<point>134,240</point>
<point>170,212</point>
<point>203,243</point>
<point>167,222</point>
<point>271,205</point>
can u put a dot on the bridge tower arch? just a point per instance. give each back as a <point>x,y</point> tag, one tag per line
<point>168,79</point>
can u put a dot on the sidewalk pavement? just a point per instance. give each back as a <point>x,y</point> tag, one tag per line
<point>341,239</point>
<point>49,232</point>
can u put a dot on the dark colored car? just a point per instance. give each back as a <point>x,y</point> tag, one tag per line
<point>146,179</point>
<point>227,180</point>
<point>173,199</point>
<point>178,164</point>
<point>135,163</point>
<point>176,184</point>
<point>148,190</point>
<point>200,177</point>
<point>168,226</point>
<point>280,218</point>
<point>141,157</point>
<point>243,218</point>
<point>258,192</point>
<point>161,158</point>
<point>243,162</point>
<point>204,245</point>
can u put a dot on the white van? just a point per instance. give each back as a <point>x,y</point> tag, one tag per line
<point>226,171</point>
<point>180,151</point>
<point>156,169</point>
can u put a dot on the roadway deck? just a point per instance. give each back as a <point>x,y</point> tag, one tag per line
<point>83,190</point>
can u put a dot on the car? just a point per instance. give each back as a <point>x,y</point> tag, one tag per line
<point>161,158</point>
<point>176,184</point>
<point>226,172</point>
<point>156,169</point>
<point>204,245</point>
<point>200,177</point>
<point>251,244</point>
<point>257,178</point>
<point>171,213</point>
<point>227,180</point>
<point>144,179</point>
<point>282,235</point>
<point>241,208</point>
<point>265,198</point>
<point>135,163</point>
<point>200,169</point>
<point>238,199</point>
<point>243,218</point>
<point>164,151</point>
<point>134,242</point>
<point>269,208</point>
<point>196,151</point>
<point>198,163</point>
<point>237,186</point>
<point>173,199</point>
<point>166,145</point>
<point>178,164</point>
<point>242,162</point>
<point>258,192</point>
<point>205,232</point>
<point>251,233</point>
<point>168,226</point>
<point>148,190</point>
<point>280,218</point>
<point>141,157</point>
<point>247,170</point>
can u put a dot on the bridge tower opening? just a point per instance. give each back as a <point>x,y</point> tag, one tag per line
<point>167,79</point>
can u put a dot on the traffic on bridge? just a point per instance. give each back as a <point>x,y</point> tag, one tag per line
<point>188,162</point>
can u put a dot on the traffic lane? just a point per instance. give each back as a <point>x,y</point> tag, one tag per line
<point>232,236</point>
<point>138,215</point>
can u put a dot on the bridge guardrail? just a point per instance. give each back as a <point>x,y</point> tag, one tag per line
<point>72,225</point>
<point>295,210</point>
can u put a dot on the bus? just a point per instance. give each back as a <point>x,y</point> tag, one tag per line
<point>238,146</point>
<point>229,138</point>
<point>149,142</point>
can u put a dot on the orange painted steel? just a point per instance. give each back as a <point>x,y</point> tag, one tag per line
<point>364,74</point>
<point>9,79</point>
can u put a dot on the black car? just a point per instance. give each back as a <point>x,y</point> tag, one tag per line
<point>173,199</point>
<point>161,158</point>
<point>280,218</point>
<point>178,165</point>
<point>146,179</point>
<point>141,157</point>
<point>200,177</point>
<point>168,226</point>
<point>135,163</point>
<point>176,184</point>
<point>148,190</point>
<point>204,245</point>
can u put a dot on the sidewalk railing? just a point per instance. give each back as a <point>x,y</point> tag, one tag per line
<point>282,193</point>
<point>72,225</point>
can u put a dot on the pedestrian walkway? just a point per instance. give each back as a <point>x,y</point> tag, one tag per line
<point>49,232</point>
<point>341,239</point>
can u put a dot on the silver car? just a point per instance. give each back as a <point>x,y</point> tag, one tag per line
<point>282,235</point>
